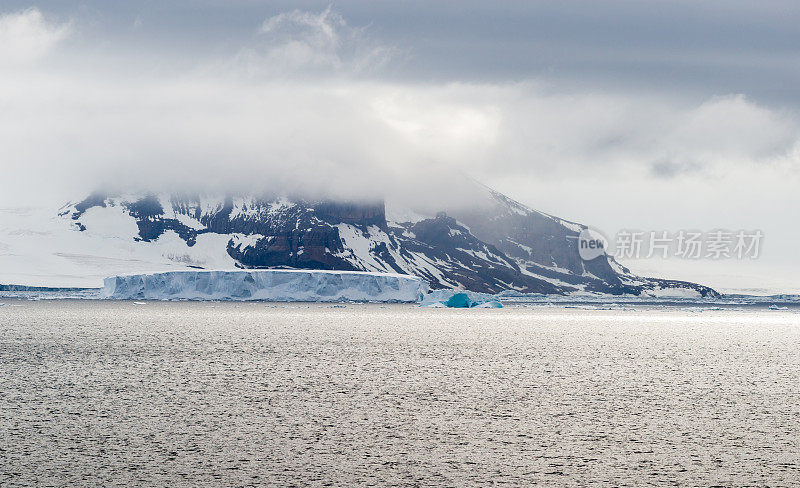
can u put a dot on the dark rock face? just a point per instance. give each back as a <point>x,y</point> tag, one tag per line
<point>539,242</point>
<point>467,261</point>
<point>498,245</point>
<point>317,243</point>
<point>93,200</point>
<point>352,213</point>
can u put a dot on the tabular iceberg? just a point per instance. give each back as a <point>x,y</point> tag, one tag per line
<point>281,285</point>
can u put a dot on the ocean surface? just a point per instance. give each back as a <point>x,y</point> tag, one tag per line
<point>98,393</point>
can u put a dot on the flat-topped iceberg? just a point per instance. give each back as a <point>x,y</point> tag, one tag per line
<point>459,299</point>
<point>282,285</point>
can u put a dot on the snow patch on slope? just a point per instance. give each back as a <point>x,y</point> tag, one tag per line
<point>39,248</point>
<point>400,214</point>
<point>208,252</point>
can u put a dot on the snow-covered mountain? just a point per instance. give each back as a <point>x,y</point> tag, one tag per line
<point>494,245</point>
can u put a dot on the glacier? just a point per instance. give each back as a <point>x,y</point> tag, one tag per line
<point>280,285</point>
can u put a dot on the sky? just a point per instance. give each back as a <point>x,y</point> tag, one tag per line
<point>649,115</point>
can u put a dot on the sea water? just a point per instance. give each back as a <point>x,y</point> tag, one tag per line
<point>250,394</point>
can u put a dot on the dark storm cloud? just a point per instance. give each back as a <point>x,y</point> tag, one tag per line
<point>700,48</point>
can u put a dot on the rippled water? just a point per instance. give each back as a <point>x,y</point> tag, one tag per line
<point>171,394</point>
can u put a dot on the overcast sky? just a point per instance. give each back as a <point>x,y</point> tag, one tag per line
<point>649,115</point>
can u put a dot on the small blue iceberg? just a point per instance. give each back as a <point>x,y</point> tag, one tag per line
<point>459,299</point>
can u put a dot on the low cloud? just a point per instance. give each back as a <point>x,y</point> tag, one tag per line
<point>592,134</point>
<point>26,37</point>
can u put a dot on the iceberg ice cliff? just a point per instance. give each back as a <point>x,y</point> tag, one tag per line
<point>267,284</point>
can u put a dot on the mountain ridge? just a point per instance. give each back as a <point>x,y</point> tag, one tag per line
<point>497,244</point>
